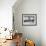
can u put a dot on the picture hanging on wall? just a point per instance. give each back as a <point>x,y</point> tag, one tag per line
<point>29,19</point>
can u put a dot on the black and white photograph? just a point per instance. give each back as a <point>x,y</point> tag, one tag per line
<point>29,19</point>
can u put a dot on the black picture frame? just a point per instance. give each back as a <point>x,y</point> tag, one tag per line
<point>29,19</point>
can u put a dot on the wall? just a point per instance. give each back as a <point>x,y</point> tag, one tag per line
<point>6,13</point>
<point>28,7</point>
<point>43,22</point>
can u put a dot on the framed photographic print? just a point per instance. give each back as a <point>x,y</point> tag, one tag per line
<point>29,19</point>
